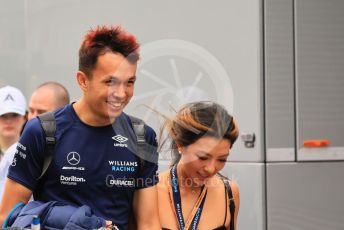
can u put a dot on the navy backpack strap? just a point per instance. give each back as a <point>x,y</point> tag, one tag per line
<point>139,130</point>
<point>48,124</point>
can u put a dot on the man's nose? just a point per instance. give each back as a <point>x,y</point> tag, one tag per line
<point>119,91</point>
<point>32,115</point>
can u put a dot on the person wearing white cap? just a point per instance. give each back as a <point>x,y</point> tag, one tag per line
<point>48,96</point>
<point>12,116</point>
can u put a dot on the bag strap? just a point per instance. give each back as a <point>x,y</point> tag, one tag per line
<point>231,202</point>
<point>139,130</point>
<point>48,124</point>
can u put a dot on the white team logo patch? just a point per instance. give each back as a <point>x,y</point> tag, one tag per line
<point>14,161</point>
<point>73,158</point>
<point>120,138</point>
<point>71,180</point>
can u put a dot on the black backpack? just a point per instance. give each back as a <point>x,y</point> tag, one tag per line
<point>49,126</point>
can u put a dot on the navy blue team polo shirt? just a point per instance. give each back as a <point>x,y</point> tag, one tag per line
<point>96,166</point>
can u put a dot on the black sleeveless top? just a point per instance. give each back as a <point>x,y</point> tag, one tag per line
<point>229,196</point>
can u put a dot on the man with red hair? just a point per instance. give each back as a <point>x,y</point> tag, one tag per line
<point>94,161</point>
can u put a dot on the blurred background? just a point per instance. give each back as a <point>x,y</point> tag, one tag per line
<point>277,65</point>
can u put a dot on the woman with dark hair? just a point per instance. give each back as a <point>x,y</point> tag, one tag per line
<point>192,194</point>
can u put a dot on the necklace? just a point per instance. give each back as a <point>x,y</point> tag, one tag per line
<point>192,190</point>
<point>186,183</point>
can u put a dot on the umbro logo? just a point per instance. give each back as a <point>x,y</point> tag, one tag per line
<point>120,138</point>
<point>120,141</point>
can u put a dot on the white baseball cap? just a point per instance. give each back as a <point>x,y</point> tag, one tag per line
<point>12,100</point>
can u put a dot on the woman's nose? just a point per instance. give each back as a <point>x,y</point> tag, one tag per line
<point>210,168</point>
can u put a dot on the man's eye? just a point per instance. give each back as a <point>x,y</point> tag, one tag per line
<point>131,82</point>
<point>111,82</point>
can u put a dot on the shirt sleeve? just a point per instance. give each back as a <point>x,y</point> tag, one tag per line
<point>28,159</point>
<point>4,165</point>
<point>148,172</point>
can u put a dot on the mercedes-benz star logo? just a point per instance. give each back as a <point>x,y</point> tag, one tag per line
<point>73,158</point>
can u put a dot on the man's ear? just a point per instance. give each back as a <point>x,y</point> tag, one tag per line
<point>82,80</point>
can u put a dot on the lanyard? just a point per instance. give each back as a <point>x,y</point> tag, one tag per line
<point>196,212</point>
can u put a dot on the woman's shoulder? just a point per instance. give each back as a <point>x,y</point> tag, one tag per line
<point>220,182</point>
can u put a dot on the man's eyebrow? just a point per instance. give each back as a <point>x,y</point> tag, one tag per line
<point>115,77</point>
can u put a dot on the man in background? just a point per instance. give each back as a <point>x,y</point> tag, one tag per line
<point>47,97</point>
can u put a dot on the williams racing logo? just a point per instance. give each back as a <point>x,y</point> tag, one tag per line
<point>120,141</point>
<point>123,166</point>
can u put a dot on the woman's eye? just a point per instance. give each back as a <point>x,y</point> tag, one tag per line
<point>202,158</point>
<point>222,160</point>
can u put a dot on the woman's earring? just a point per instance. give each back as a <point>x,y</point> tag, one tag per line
<point>179,151</point>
